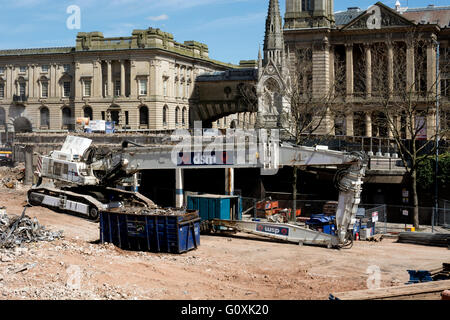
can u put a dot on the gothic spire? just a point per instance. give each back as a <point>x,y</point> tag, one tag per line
<point>273,41</point>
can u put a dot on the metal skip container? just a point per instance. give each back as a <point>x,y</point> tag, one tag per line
<point>177,233</point>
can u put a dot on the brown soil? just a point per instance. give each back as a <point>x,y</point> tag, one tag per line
<point>238,267</point>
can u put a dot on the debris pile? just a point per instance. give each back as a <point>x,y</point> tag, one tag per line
<point>15,231</point>
<point>11,178</point>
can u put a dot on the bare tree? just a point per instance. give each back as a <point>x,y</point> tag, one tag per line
<point>405,100</point>
<point>316,113</point>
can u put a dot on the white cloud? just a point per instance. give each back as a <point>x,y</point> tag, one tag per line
<point>159,18</point>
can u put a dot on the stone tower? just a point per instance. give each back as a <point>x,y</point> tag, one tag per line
<point>272,73</point>
<point>302,14</point>
<point>273,40</point>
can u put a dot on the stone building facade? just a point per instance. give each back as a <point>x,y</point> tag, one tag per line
<point>145,81</point>
<point>351,38</point>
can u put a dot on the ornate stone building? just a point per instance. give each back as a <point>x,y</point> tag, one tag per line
<point>145,81</point>
<point>343,47</point>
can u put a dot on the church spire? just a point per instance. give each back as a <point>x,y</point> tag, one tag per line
<point>273,41</point>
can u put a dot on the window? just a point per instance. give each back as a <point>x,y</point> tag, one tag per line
<point>2,70</point>
<point>103,115</point>
<point>2,117</point>
<point>165,110</point>
<point>117,88</point>
<point>44,89</point>
<point>127,118</point>
<point>23,69</point>
<point>45,68</point>
<point>88,113</point>
<point>66,68</point>
<point>66,117</point>
<point>66,89</point>
<point>22,88</point>
<point>2,90</point>
<point>87,88</point>
<point>143,116</point>
<point>177,115</point>
<point>183,116</point>
<point>165,87</point>
<point>142,87</point>
<point>45,117</point>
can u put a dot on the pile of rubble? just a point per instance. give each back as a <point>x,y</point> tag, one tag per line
<point>12,178</point>
<point>15,231</point>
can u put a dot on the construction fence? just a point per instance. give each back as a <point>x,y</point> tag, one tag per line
<point>388,218</point>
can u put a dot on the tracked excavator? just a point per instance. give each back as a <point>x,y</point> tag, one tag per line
<point>84,179</point>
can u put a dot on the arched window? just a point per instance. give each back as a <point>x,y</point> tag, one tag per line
<point>143,116</point>
<point>177,115</point>
<point>66,117</point>
<point>165,111</point>
<point>88,113</point>
<point>45,117</point>
<point>184,116</point>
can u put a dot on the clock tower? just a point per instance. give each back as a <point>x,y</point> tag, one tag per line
<point>306,14</point>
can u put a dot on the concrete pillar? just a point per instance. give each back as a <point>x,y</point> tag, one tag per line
<point>368,124</point>
<point>229,181</point>
<point>110,92</point>
<point>122,78</point>
<point>179,188</point>
<point>368,53</point>
<point>28,165</point>
<point>349,69</point>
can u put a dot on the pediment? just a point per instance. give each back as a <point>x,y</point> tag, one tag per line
<point>272,70</point>
<point>378,17</point>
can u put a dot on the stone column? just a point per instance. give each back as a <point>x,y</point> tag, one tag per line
<point>390,50</point>
<point>349,124</point>
<point>30,80</point>
<point>110,92</point>
<point>9,83</point>
<point>97,81</point>
<point>368,124</point>
<point>133,83</point>
<point>431,68</point>
<point>368,54</point>
<point>122,78</point>
<point>332,72</point>
<point>321,70</point>
<point>349,69</point>
<point>410,65</point>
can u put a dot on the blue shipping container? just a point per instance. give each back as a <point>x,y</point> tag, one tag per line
<point>155,233</point>
<point>212,207</point>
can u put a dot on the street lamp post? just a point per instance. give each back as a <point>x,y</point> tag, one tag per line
<point>436,211</point>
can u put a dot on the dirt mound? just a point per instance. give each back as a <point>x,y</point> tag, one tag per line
<point>12,178</point>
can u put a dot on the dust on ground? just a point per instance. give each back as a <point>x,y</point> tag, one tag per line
<point>222,268</point>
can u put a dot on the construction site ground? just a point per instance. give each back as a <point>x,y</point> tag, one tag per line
<point>222,268</point>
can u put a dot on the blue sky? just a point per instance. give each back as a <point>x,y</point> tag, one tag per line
<point>232,29</point>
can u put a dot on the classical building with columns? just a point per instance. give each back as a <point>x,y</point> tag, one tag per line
<point>145,81</point>
<point>349,39</point>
